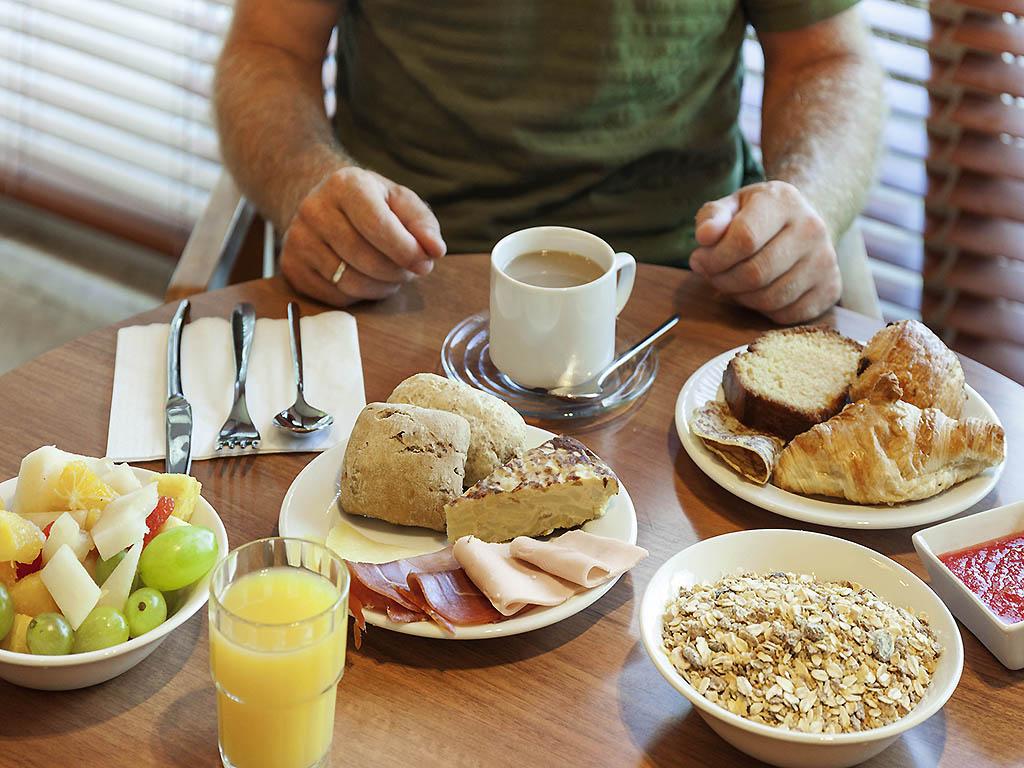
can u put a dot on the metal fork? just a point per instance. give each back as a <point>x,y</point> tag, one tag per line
<point>239,431</point>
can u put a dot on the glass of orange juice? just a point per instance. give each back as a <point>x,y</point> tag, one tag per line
<point>278,625</point>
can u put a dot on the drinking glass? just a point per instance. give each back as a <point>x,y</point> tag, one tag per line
<point>278,626</point>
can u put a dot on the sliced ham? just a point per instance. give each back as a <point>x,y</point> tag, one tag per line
<point>431,586</point>
<point>509,584</point>
<point>579,557</point>
<point>451,599</point>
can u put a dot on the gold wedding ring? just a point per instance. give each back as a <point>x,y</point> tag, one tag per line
<point>339,272</point>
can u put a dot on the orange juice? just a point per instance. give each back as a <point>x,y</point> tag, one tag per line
<point>277,652</point>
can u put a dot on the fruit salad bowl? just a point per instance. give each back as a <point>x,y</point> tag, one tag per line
<point>80,670</point>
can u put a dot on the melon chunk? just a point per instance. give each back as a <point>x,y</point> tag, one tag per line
<point>36,490</point>
<point>65,530</point>
<point>70,585</point>
<point>118,585</point>
<point>123,522</point>
<point>122,479</point>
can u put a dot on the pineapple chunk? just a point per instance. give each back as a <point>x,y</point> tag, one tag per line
<point>20,539</point>
<point>184,489</point>
<point>66,531</point>
<point>8,573</point>
<point>2,507</point>
<point>17,638</point>
<point>70,585</point>
<point>31,597</point>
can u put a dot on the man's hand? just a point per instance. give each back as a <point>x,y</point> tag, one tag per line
<point>383,232</point>
<point>767,248</point>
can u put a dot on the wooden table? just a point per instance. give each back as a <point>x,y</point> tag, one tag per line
<point>579,693</point>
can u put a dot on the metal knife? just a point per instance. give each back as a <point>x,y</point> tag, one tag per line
<point>178,411</point>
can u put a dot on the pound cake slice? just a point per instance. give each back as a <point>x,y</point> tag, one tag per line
<point>559,484</point>
<point>791,379</point>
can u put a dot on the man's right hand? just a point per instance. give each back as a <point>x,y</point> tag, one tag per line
<point>383,232</point>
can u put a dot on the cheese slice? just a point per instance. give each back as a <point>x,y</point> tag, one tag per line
<point>559,484</point>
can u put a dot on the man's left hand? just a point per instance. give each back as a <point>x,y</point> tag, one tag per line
<point>767,248</point>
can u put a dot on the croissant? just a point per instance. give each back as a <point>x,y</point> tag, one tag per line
<point>884,451</point>
<point>929,373</point>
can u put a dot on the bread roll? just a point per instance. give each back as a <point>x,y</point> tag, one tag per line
<point>404,463</point>
<point>497,433</point>
<point>928,372</point>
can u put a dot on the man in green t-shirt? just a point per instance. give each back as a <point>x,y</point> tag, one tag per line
<point>460,121</point>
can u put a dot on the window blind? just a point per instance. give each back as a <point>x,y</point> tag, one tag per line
<point>944,225</point>
<point>104,111</point>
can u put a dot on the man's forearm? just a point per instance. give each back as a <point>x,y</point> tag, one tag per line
<point>820,132</point>
<point>275,136</point>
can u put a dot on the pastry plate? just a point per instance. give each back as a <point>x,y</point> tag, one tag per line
<point>705,384</point>
<point>310,510</point>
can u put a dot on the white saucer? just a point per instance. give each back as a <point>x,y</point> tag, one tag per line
<point>310,510</point>
<point>705,384</point>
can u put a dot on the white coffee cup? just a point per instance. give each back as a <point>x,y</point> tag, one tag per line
<point>556,337</point>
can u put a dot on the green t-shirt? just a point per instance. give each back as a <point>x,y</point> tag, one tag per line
<point>614,116</point>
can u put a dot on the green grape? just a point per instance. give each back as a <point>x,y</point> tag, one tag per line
<point>105,567</point>
<point>6,612</point>
<point>49,634</point>
<point>146,609</point>
<point>103,627</point>
<point>176,598</point>
<point>178,557</point>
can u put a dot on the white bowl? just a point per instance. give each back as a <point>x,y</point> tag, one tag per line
<point>79,670</point>
<point>1006,641</point>
<point>827,558</point>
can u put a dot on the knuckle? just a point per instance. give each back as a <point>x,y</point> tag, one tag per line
<point>754,272</point>
<point>743,236</point>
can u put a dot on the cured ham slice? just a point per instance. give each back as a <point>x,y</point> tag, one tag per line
<point>508,583</point>
<point>579,557</point>
<point>429,586</point>
<point>451,599</point>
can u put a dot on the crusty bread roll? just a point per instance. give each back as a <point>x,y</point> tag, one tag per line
<point>403,463</point>
<point>928,372</point>
<point>497,433</point>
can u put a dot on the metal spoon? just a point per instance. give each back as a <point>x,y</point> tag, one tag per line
<point>591,389</point>
<point>301,418</point>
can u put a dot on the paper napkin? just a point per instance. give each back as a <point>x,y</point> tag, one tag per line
<point>333,383</point>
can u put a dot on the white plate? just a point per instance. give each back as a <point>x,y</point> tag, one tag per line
<point>78,670</point>
<point>705,384</point>
<point>309,511</point>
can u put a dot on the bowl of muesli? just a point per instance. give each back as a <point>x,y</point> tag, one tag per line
<point>802,650</point>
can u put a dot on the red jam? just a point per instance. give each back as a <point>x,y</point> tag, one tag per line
<point>994,571</point>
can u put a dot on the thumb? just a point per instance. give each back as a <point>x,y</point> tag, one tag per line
<point>417,217</point>
<point>713,219</point>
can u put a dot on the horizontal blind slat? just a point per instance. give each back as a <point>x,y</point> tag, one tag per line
<point>983,235</point>
<point>28,27</point>
<point>137,27</point>
<point>997,320</point>
<point>987,196</point>
<point>1006,358</point>
<point>142,120</point>
<point>38,118</point>
<point>203,15</point>
<point>97,73</point>
<point>979,276</point>
<point>892,245</point>
<point>165,197</point>
<point>987,114</point>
